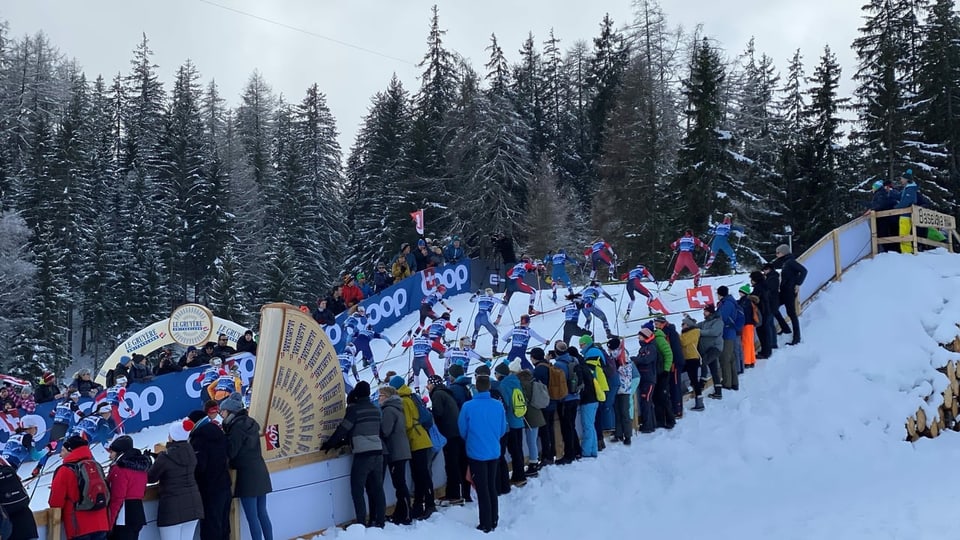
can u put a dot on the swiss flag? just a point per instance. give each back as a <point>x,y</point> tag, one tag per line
<point>418,220</point>
<point>657,305</point>
<point>698,297</point>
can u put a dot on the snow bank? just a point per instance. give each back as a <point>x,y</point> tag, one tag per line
<point>811,447</point>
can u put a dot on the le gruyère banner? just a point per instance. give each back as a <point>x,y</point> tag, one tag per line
<point>298,391</point>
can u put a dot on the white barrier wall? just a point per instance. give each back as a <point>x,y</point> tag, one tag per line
<point>833,254</point>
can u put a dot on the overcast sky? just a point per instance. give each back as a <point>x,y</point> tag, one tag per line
<point>228,46</point>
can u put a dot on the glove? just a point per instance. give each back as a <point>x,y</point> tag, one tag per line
<point>449,310</point>
<point>459,320</point>
<point>409,332</point>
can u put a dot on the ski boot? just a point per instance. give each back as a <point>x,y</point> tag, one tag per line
<point>609,333</point>
<point>667,288</point>
<point>626,316</point>
<point>531,310</point>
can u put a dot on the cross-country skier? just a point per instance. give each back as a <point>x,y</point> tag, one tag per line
<point>687,244</point>
<point>361,334</point>
<point>590,296</point>
<point>64,416</point>
<point>348,362</point>
<point>721,242</point>
<point>571,318</point>
<point>115,396</point>
<point>208,377</point>
<point>601,251</point>
<point>21,446</point>
<point>485,303</point>
<point>558,271</point>
<point>520,337</point>
<point>515,284</point>
<point>438,330</point>
<point>422,346</point>
<point>96,427</point>
<point>462,355</point>
<point>227,383</point>
<point>634,284</point>
<point>429,301</point>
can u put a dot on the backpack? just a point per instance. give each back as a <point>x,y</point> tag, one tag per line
<point>94,494</point>
<point>757,319</point>
<point>519,403</point>
<point>540,395</point>
<point>557,383</point>
<point>575,376</point>
<point>424,416</point>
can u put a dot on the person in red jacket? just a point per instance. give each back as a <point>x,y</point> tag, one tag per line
<point>128,482</point>
<point>65,494</point>
<point>352,295</point>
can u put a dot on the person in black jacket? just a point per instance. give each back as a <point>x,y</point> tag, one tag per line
<point>253,479</point>
<point>223,348</point>
<point>16,503</point>
<point>323,314</point>
<point>792,274</point>
<point>360,428</point>
<point>47,390</point>
<point>766,306</point>
<point>180,507</point>
<point>212,473</point>
<point>247,344</point>
<point>771,282</point>
<point>445,415</point>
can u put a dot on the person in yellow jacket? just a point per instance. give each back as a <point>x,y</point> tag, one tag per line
<point>424,504</point>
<point>689,338</point>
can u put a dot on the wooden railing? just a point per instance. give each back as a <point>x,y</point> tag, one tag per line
<point>920,218</point>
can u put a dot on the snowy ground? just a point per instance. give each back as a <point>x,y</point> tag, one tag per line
<point>811,447</point>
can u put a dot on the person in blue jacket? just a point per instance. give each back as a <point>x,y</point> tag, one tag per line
<point>721,243</point>
<point>558,271</point>
<point>482,422</point>
<point>454,251</point>
<point>727,307</point>
<point>909,196</point>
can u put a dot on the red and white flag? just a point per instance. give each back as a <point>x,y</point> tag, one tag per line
<point>418,220</point>
<point>699,297</point>
<point>658,306</point>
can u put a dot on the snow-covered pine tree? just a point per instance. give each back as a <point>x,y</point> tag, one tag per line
<point>46,343</point>
<point>17,288</point>
<point>226,294</point>
<point>377,212</point>
<point>527,92</point>
<point>938,110</point>
<point>282,280</point>
<point>498,70</point>
<point>820,205</point>
<point>427,187</point>
<point>182,185</point>
<point>607,63</point>
<point>488,161</point>
<point>315,132</point>
<point>578,165</point>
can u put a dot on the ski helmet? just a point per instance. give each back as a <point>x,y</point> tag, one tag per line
<point>441,288</point>
<point>446,315</point>
<point>121,380</point>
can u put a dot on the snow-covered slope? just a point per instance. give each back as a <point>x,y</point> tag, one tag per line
<point>810,447</point>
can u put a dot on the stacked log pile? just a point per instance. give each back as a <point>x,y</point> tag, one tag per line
<point>947,413</point>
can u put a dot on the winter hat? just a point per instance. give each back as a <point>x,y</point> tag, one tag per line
<point>767,267</point>
<point>73,442</point>
<point>614,343</point>
<point>688,321</point>
<point>516,366</point>
<point>482,369</point>
<point>877,185</point>
<point>435,380</point>
<point>180,431</point>
<point>232,404</point>
<point>586,340</point>
<point>502,369</point>
<point>561,347</point>
<point>396,381</point>
<point>121,444</point>
<point>661,319</point>
<point>782,250</point>
<point>756,276</point>
<point>49,377</point>
<point>745,289</point>
<point>190,349</point>
<point>124,360</point>
<point>456,370</point>
<point>196,416</point>
<point>211,405</point>
<point>723,291</point>
<point>645,335</point>
<point>421,243</point>
<point>362,390</point>
<point>537,354</point>
<point>361,275</point>
<point>649,326</point>
<point>908,174</point>
<point>710,308</point>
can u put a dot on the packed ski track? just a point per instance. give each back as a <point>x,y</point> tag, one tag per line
<point>811,446</point>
